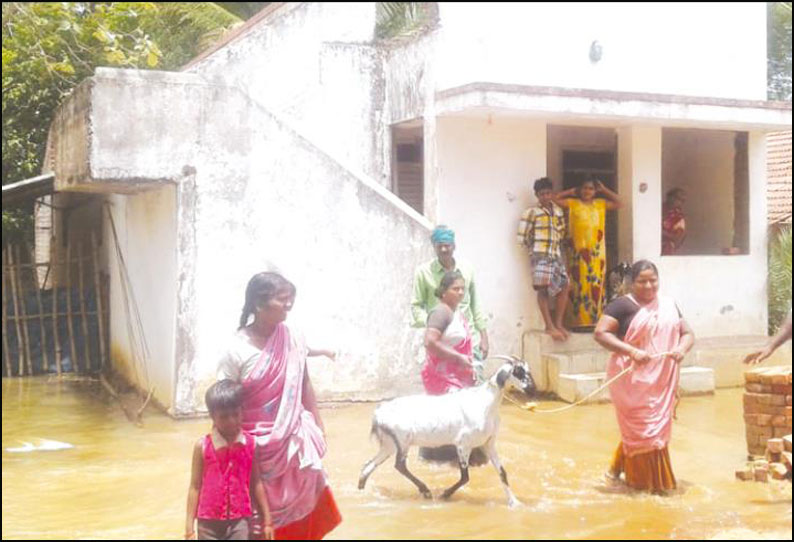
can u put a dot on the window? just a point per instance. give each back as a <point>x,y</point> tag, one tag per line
<point>706,174</point>
<point>408,163</point>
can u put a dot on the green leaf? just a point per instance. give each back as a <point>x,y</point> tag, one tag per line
<point>152,59</point>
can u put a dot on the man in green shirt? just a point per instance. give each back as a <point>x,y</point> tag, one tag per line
<point>427,278</point>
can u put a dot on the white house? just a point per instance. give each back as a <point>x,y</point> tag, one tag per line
<point>304,143</point>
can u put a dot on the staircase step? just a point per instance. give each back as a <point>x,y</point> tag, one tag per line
<point>573,387</point>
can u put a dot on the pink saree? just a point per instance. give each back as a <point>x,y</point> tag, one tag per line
<point>644,399</point>
<point>289,442</point>
<point>441,376</point>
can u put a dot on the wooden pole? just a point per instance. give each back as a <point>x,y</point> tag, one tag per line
<point>55,335</point>
<point>69,323</point>
<point>12,278</point>
<point>86,340</point>
<point>100,312</point>
<point>6,349</point>
<point>39,264</point>
<point>23,306</point>
<point>44,355</point>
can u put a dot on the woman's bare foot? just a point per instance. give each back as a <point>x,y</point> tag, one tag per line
<point>555,334</point>
<point>564,332</point>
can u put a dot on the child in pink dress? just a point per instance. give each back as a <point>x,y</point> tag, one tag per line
<point>224,474</point>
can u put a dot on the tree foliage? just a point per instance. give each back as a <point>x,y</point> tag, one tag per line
<point>243,10</point>
<point>400,19</point>
<point>779,50</point>
<point>779,278</point>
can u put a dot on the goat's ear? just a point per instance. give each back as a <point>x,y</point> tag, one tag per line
<point>519,372</point>
<point>503,375</point>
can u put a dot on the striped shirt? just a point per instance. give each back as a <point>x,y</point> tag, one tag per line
<point>542,231</point>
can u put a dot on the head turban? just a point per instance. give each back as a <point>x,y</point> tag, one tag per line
<point>442,234</point>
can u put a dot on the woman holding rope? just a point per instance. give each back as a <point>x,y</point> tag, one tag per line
<point>646,330</point>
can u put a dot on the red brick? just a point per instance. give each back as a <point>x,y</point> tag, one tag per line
<point>780,389</point>
<point>744,474</point>
<point>761,420</point>
<point>778,470</point>
<point>775,445</point>
<point>781,421</point>
<point>754,387</point>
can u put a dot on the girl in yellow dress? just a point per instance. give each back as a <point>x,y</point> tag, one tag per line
<point>586,216</point>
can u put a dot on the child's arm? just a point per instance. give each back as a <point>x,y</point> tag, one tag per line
<point>193,491</point>
<point>561,198</point>
<point>614,201</point>
<point>258,491</point>
<point>328,353</point>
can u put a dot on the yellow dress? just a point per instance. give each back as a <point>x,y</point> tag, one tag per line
<point>588,261</point>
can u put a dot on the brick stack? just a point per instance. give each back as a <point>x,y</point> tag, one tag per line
<point>777,464</point>
<point>767,406</point>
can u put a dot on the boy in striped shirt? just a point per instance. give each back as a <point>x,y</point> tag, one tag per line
<point>542,230</point>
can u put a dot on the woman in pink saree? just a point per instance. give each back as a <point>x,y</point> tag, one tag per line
<point>645,330</point>
<point>280,411</point>
<point>448,340</point>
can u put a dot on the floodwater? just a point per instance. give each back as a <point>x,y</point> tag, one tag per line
<point>125,482</point>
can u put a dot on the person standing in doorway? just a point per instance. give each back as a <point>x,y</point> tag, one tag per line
<point>673,221</point>
<point>427,279</point>
<point>586,217</point>
<point>542,231</point>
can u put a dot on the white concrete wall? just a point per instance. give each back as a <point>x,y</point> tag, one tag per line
<point>313,64</point>
<point>349,249</point>
<point>688,49</point>
<point>245,193</point>
<point>486,171</point>
<point>146,228</point>
<point>702,163</point>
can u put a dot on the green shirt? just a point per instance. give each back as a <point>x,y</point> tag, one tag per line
<point>427,278</point>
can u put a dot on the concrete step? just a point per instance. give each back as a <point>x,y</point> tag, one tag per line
<point>581,355</point>
<point>573,387</point>
<point>577,341</point>
<point>578,362</point>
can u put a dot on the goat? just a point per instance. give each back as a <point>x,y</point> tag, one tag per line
<point>618,281</point>
<point>466,418</point>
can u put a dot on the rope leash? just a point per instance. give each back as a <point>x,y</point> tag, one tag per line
<point>532,407</point>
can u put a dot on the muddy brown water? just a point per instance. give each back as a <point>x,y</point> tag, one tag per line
<point>124,482</point>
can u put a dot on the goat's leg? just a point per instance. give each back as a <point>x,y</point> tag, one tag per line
<point>386,449</point>
<point>490,449</point>
<point>463,461</point>
<point>402,468</point>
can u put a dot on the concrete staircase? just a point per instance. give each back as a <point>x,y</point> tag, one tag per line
<point>576,368</point>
